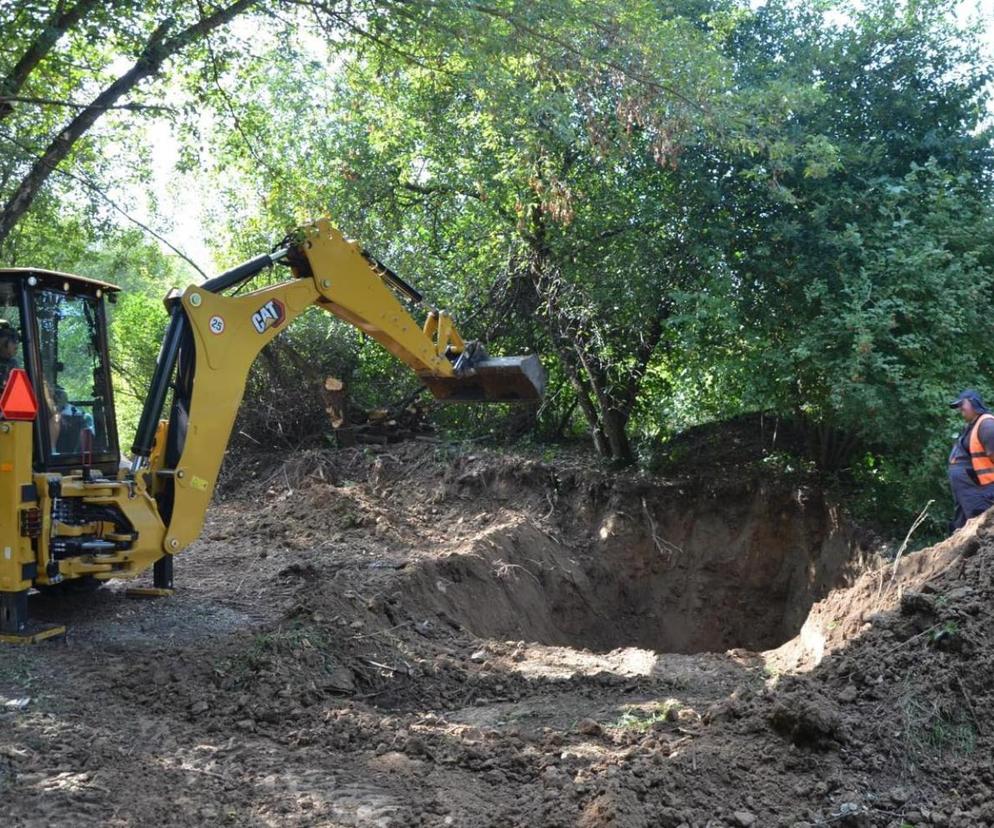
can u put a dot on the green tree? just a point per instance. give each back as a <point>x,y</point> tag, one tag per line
<point>857,290</point>
<point>543,168</point>
<point>44,43</point>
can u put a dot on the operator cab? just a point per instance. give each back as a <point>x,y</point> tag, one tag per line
<point>61,326</point>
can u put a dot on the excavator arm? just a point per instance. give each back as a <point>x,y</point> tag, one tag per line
<point>213,339</point>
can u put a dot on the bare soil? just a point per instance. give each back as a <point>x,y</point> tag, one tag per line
<point>428,637</point>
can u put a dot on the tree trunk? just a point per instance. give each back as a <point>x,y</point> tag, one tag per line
<point>606,403</point>
<point>58,24</point>
<point>616,431</point>
<point>565,418</point>
<point>157,50</point>
<point>583,398</point>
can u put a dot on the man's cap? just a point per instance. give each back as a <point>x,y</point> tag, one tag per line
<point>973,396</point>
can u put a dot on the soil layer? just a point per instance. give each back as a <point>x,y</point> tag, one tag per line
<point>423,637</point>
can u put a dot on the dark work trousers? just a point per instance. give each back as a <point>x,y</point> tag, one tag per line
<point>972,499</point>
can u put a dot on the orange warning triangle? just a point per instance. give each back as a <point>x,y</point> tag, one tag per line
<point>18,401</point>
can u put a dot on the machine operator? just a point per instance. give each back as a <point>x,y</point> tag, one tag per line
<point>8,350</point>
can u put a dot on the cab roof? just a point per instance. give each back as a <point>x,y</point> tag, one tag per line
<point>24,272</point>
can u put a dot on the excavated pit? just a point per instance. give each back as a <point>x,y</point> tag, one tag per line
<point>658,569</point>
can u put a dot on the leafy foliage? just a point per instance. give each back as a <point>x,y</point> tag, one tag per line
<point>859,292</point>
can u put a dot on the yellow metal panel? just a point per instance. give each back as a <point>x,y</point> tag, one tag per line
<point>135,503</point>
<point>158,446</point>
<point>448,335</point>
<point>33,635</point>
<point>229,332</point>
<point>149,592</point>
<point>45,507</point>
<point>142,512</point>
<point>15,472</point>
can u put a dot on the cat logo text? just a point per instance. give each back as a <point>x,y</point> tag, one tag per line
<point>270,315</point>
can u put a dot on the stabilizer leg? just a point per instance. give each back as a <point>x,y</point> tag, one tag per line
<point>162,581</point>
<point>13,611</point>
<point>162,572</point>
<point>14,625</point>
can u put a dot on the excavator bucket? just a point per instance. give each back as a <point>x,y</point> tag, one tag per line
<point>492,379</point>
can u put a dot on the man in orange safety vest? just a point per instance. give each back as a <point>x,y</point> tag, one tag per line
<point>971,461</point>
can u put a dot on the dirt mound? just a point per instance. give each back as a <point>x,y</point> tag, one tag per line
<point>843,615</point>
<point>748,440</point>
<point>423,636</point>
<point>907,661</point>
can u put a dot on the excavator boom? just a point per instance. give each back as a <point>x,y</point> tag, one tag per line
<point>453,370</point>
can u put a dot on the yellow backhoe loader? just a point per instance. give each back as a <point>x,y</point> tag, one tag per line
<point>71,511</point>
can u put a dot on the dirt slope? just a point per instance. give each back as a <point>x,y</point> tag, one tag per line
<point>427,637</point>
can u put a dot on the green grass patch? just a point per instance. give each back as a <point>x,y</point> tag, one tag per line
<point>642,718</point>
<point>933,729</point>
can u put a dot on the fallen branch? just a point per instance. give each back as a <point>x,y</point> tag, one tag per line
<point>132,107</point>
<point>503,569</point>
<point>380,632</point>
<point>909,640</point>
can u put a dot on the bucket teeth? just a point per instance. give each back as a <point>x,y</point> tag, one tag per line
<point>494,379</point>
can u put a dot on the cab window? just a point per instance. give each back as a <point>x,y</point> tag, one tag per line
<point>74,375</point>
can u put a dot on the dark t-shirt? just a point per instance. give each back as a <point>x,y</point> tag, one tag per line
<point>961,448</point>
<point>5,367</point>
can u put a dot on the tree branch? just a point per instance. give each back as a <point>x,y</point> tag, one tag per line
<point>318,8</point>
<point>157,50</point>
<point>6,100</point>
<point>229,105</point>
<point>57,25</point>
<point>522,28</point>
